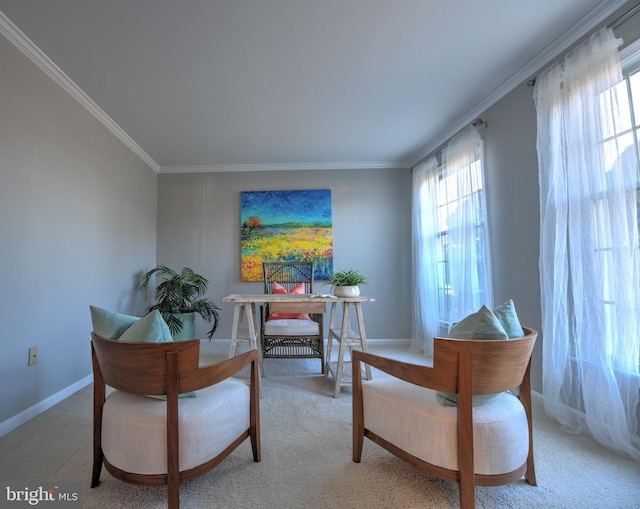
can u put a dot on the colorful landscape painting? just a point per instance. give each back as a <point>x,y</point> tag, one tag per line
<point>285,226</point>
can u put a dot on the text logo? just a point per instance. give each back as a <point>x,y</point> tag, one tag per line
<point>53,496</point>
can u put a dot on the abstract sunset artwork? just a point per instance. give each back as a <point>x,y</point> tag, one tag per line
<point>282,226</point>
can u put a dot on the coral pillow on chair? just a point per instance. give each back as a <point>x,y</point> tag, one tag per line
<point>298,289</point>
<point>278,288</point>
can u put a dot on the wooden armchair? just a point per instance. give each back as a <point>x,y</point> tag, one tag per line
<point>485,445</point>
<point>291,330</point>
<point>168,439</point>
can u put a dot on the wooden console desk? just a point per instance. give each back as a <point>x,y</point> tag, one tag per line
<point>246,329</point>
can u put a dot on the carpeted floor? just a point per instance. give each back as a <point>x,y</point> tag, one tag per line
<point>306,459</point>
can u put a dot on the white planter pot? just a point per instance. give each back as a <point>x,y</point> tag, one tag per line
<point>346,291</point>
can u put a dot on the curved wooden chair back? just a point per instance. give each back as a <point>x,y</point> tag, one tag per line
<point>143,368</point>
<point>483,366</point>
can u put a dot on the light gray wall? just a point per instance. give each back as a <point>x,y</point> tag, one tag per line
<point>199,226</point>
<point>513,205</point>
<point>77,223</point>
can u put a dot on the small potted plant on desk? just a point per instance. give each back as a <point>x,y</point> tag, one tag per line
<point>179,296</point>
<point>345,283</point>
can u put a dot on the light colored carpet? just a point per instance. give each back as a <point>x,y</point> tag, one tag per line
<point>306,459</point>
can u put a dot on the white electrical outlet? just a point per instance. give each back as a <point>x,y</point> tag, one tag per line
<point>33,355</point>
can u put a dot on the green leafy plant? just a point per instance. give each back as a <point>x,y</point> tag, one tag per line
<point>179,293</point>
<point>349,277</point>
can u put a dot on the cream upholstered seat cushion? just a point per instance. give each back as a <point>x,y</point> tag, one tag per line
<point>291,327</point>
<point>134,427</point>
<point>411,418</point>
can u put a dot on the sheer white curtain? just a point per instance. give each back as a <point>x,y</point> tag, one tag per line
<point>589,246</point>
<point>468,257</point>
<point>426,316</point>
<point>450,241</point>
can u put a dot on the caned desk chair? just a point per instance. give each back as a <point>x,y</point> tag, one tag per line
<point>291,330</point>
<point>486,444</point>
<point>151,441</point>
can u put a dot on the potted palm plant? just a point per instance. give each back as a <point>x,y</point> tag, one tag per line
<point>345,283</point>
<point>179,297</point>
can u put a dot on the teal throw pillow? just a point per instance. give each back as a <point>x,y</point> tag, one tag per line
<point>507,316</point>
<point>109,324</point>
<point>483,324</point>
<point>151,328</point>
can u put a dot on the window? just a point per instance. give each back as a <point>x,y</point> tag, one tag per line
<point>620,152</point>
<point>461,220</point>
<point>450,239</point>
<point>631,152</point>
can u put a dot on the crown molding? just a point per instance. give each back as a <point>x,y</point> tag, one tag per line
<point>591,20</point>
<point>216,168</point>
<point>24,44</point>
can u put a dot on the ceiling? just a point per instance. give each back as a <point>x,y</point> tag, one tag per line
<point>201,85</point>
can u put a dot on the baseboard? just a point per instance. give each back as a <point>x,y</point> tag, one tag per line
<point>26,415</point>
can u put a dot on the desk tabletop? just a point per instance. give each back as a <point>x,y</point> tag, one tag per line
<point>243,298</point>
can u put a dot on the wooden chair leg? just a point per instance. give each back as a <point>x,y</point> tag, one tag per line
<point>173,495</point>
<point>98,458</point>
<point>358,411</point>
<point>525,397</point>
<point>358,442</point>
<point>530,474</point>
<point>98,455</point>
<point>254,412</point>
<point>255,446</point>
<point>98,403</point>
<point>173,434</point>
<point>467,495</point>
